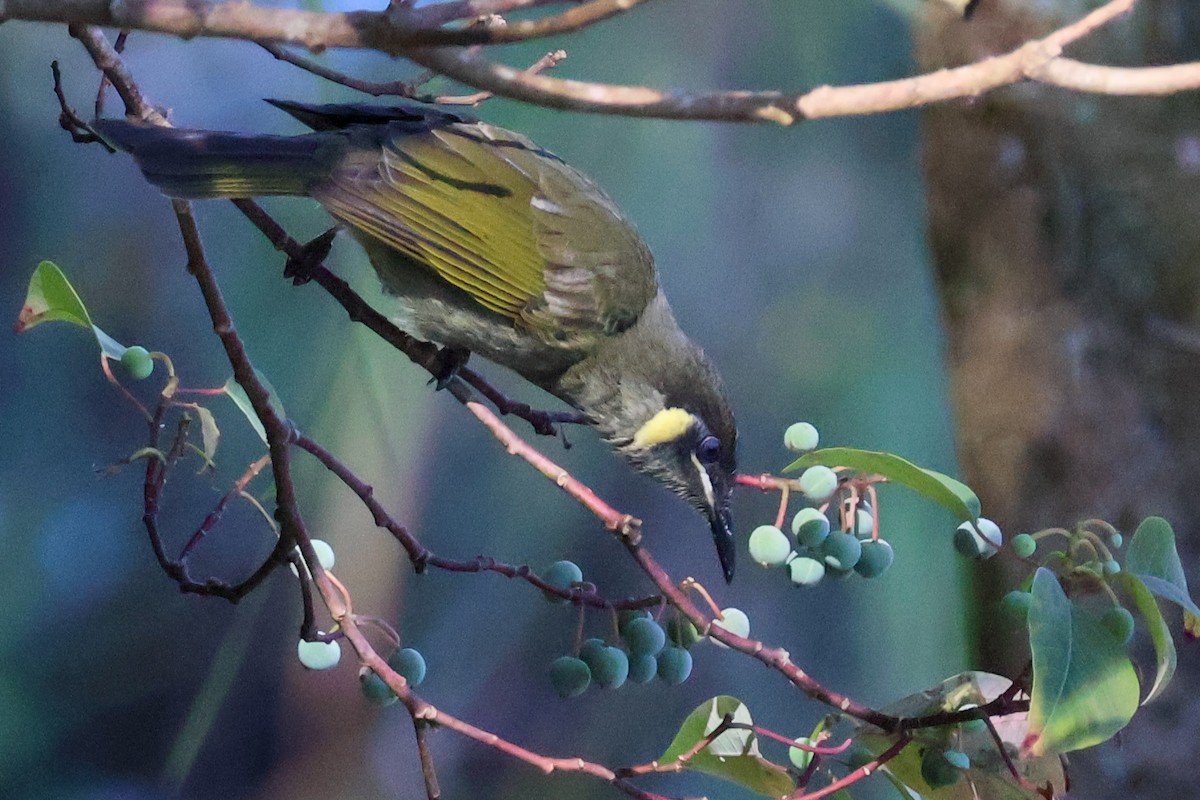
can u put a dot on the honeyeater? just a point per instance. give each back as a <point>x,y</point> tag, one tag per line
<point>490,244</point>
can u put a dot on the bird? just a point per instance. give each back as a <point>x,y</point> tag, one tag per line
<point>487,243</point>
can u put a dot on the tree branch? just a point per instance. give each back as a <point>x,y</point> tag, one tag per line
<point>402,29</point>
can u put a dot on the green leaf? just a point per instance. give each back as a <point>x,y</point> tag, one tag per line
<point>51,297</point>
<point>1085,688</point>
<point>1160,634</point>
<point>238,395</point>
<point>735,757</point>
<point>210,434</point>
<point>941,489</point>
<point>1153,558</point>
<point>989,776</point>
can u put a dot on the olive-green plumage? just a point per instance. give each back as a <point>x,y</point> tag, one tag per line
<point>493,245</point>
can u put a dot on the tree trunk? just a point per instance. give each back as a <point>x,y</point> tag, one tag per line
<point>1065,231</point>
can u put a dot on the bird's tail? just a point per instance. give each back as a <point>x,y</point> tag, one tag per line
<point>196,164</point>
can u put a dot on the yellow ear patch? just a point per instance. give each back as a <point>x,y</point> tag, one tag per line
<point>665,426</point>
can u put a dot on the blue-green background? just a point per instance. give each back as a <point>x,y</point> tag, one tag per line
<point>795,256</point>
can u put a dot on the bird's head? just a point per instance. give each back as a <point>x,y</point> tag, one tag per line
<point>693,453</point>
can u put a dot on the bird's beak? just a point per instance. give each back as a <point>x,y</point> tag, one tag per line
<point>722,530</point>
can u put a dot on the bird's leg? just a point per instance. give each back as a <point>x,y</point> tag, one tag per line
<point>299,268</point>
<point>447,365</point>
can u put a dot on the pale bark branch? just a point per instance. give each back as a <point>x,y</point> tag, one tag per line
<point>402,29</point>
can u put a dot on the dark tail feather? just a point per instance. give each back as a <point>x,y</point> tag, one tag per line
<point>196,164</point>
<point>335,116</point>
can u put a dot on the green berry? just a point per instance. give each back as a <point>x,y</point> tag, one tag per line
<point>642,669</point>
<point>806,571</point>
<point>876,557</point>
<point>570,676</point>
<point>674,665</point>
<point>810,527</point>
<point>375,690</point>
<point>1015,606</point>
<point>769,546</point>
<point>972,726</point>
<point>733,620</point>
<point>319,655</point>
<point>682,632</point>
<point>410,664</point>
<point>801,437</point>
<point>957,759</point>
<point>645,637</point>
<point>980,544</point>
<point>1024,545</point>
<point>1116,540</point>
<point>1119,622</point>
<point>629,615</point>
<point>841,550</point>
<point>799,757</point>
<point>864,523</point>
<point>561,575</point>
<point>590,651</point>
<point>324,553</point>
<point>937,771</point>
<point>1111,567</point>
<point>818,483</point>
<point>858,757</point>
<point>137,362</point>
<point>611,668</point>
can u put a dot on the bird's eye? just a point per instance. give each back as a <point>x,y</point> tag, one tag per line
<point>708,449</point>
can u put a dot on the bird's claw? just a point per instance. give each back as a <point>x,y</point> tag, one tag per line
<point>299,268</point>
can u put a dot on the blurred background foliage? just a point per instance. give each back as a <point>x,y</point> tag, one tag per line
<point>795,256</point>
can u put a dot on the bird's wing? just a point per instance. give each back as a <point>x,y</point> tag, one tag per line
<point>508,223</point>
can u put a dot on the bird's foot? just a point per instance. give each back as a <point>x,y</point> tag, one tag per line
<point>299,268</point>
<point>448,362</point>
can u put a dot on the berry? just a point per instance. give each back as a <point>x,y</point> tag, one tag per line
<point>972,725</point>
<point>674,665</point>
<point>799,757</point>
<point>1119,622</point>
<point>982,544</point>
<point>319,655</point>
<point>410,664</point>
<point>629,615</point>
<point>858,757</point>
<point>561,575</point>
<point>937,771</point>
<point>569,676</point>
<point>800,437</point>
<point>1111,567</point>
<point>1015,606</point>
<point>137,362</point>
<point>864,523</point>
<point>1024,545</point>
<point>875,559</point>
<point>642,669</point>
<point>682,632</point>
<point>375,690</point>
<point>733,620</point>
<point>590,650</point>
<point>810,527</point>
<point>818,483</point>
<point>958,759</point>
<point>806,571</point>
<point>324,553</point>
<point>645,637</point>
<point>841,550</point>
<point>1116,540</point>
<point>611,668</point>
<point>769,546</point>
